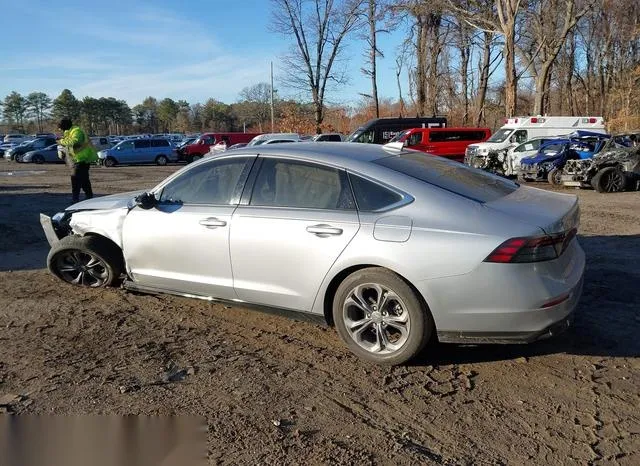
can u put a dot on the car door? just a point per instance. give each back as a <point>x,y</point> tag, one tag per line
<point>142,151</point>
<point>123,152</point>
<point>288,231</point>
<point>182,244</point>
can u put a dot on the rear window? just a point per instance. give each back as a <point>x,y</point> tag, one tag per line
<point>371,196</point>
<point>452,176</point>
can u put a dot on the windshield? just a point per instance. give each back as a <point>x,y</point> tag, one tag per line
<point>399,136</point>
<point>500,136</point>
<point>353,136</point>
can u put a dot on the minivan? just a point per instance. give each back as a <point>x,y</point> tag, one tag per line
<point>382,130</point>
<point>146,150</point>
<point>450,143</point>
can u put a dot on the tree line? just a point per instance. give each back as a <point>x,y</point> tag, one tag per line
<point>475,61</point>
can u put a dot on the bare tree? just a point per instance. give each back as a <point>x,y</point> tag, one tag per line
<point>375,13</point>
<point>319,28</point>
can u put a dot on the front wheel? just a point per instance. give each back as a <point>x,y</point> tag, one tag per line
<point>109,162</point>
<point>380,317</point>
<point>609,180</point>
<point>195,158</point>
<point>554,177</point>
<point>85,261</point>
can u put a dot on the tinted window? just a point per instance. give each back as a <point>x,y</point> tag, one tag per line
<point>441,136</point>
<point>211,183</point>
<point>520,136</point>
<point>142,144</point>
<point>371,196</point>
<point>283,183</point>
<point>452,176</point>
<point>159,143</point>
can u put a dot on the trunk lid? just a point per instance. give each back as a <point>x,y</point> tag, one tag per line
<point>552,212</point>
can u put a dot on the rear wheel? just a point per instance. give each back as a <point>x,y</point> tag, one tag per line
<point>380,317</point>
<point>195,158</point>
<point>162,160</point>
<point>85,261</point>
<point>609,180</point>
<point>554,177</point>
<point>109,162</point>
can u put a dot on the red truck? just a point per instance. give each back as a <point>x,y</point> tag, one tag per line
<point>450,143</point>
<point>200,146</point>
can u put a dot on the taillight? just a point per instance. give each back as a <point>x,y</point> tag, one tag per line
<point>536,249</point>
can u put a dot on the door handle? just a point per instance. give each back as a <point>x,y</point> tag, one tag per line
<point>212,222</point>
<point>323,230</point>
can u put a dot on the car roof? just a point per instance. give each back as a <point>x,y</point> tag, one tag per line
<point>347,154</point>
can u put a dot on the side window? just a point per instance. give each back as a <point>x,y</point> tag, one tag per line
<point>142,144</point>
<point>286,183</point>
<point>159,143</point>
<point>415,138</point>
<point>371,196</point>
<point>126,145</point>
<point>520,136</point>
<point>215,183</point>
<point>209,140</point>
<point>103,141</point>
<point>366,136</point>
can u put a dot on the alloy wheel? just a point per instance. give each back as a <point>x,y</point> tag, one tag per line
<point>81,268</point>
<point>376,318</point>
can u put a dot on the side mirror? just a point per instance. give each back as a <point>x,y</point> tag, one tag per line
<point>146,201</point>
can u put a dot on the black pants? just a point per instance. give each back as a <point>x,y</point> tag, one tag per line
<point>80,180</point>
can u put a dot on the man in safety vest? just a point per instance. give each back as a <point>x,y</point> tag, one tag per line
<point>79,155</point>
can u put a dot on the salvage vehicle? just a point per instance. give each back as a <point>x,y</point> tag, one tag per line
<point>548,163</point>
<point>521,129</point>
<point>612,170</point>
<point>393,247</point>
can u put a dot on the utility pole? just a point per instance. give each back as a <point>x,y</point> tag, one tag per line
<point>272,118</point>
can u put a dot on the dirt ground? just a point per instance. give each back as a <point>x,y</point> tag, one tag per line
<point>278,391</point>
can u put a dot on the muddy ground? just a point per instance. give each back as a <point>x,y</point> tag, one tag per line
<point>277,391</point>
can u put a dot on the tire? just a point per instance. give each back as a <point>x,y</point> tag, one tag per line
<point>554,177</point>
<point>403,311</point>
<point>86,261</point>
<point>609,180</point>
<point>195,158</point>
<point>521,179</point>
<point>37,159</point>
<point>109,162</point>
<point>162,160</point>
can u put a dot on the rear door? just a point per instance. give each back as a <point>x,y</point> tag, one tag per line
<point>142,151</point>
<point>289,230</point>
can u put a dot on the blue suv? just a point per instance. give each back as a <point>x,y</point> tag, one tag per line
<point>139,151</point>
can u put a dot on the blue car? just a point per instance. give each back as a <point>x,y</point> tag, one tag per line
<point>139,151</point>
<point>547,164</point>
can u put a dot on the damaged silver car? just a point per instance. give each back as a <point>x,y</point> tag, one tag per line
<point>393,247</point>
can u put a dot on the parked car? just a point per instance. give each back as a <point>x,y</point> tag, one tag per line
<point>101,142</point>
<point>17,152</point>
<point>16,138</point>
<point>48,154</point>
<point>614,169</point>
<point>327,137</point>
<point>529,148</point>
<point>139,151</point>
<point>4,147</point>
<point>550,159</point>
<point>382,130</point>
<point>264,138</point>
<point>399,247</point>
<point>450,143</point>
<point>200,147</point>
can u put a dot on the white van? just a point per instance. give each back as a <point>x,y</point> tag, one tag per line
<point>522,129</point>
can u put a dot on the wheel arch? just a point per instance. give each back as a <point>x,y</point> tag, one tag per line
<point>110,242</point>
<point>338,278</point>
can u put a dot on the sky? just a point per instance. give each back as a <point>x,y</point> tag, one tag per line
<point>192,50</point>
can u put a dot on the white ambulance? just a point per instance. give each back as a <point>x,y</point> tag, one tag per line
<point>521,129</point>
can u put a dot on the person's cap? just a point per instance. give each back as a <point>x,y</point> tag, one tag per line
<point>65,124</point>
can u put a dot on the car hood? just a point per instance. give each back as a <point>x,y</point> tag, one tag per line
<point>114,201</point>
<point>489,146</point>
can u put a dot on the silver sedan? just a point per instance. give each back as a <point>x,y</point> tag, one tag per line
<point>393,247</point>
